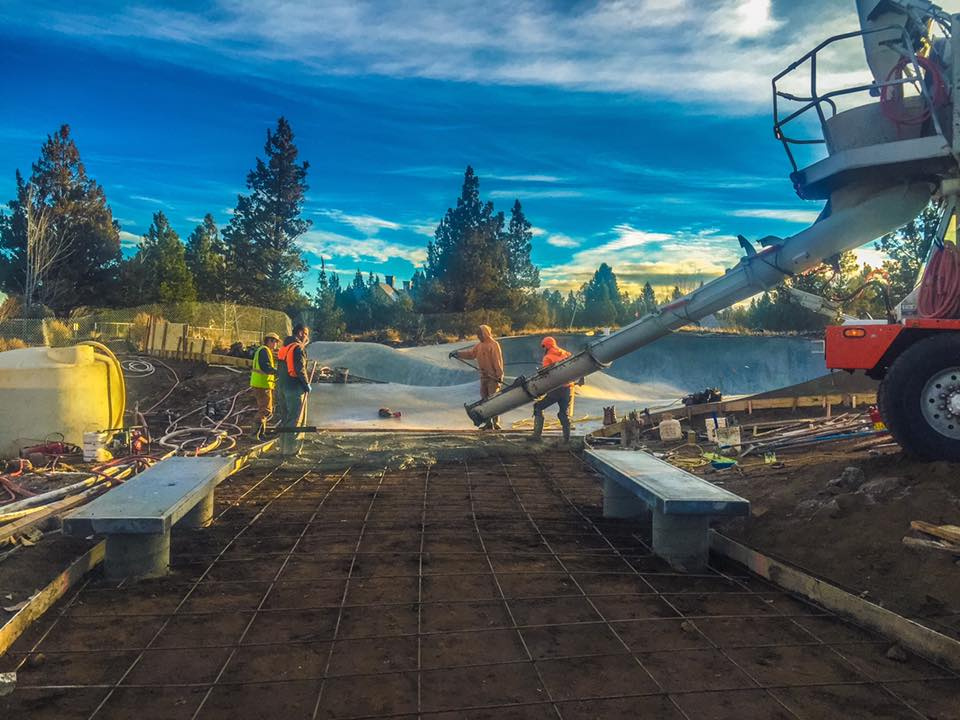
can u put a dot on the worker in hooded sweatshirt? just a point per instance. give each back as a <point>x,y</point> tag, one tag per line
<point>294,386</point>
<point>263,380</point>
<point>561,396</point>
<point>489,359</point>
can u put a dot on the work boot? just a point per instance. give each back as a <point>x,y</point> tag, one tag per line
<point>496,424</point>
<point>566,433</point>
<point>537,429</point>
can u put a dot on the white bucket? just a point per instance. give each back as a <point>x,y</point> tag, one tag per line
<point>670,430</point>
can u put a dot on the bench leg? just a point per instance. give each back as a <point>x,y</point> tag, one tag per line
<point>618,503</point>
<point>137,556</point>
<point>200,516</point>
<point>682,540</point>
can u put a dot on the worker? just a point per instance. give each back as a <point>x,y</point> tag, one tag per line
<point>263,380</point>
<point>293,384</point>
<point>561,396</point>
<point>489,359</point>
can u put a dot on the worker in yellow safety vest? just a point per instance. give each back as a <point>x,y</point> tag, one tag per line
<point>263,380</point>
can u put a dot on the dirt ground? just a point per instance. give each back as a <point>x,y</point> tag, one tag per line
<point>483,587</point>
<point>853,537</point>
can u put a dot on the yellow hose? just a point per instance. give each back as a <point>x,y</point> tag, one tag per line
<point>111,360</point>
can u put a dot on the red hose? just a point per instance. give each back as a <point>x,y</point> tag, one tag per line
<point>940,288</point>
<point>891,97</point>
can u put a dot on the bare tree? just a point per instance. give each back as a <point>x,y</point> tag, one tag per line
<point>45,248</point>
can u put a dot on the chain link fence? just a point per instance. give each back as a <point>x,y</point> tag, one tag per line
<point>216,326</point>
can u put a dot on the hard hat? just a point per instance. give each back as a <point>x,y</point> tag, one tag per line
<point>271,336</point>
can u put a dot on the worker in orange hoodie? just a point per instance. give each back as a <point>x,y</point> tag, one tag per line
<point>489,359</point>
<point>561,396</point>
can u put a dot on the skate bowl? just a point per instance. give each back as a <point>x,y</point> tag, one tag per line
<point>429,389</point>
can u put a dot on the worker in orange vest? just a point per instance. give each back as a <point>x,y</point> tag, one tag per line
<point>293,384</point>
<point>561,396</point>
<point>489,359</point>
<point>263,381</point>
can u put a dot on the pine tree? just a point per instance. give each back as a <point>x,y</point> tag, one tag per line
<point>908,248</point>
<point>602,302</point>
<point>79,225</point>
<point>468,255</point>
<point>328,317</point>
<point>649,298</point>
<point>264,262</point>
<point>523,274</point>
<point>161,262</point>
<point>676,293</point>
<point>206,261</point>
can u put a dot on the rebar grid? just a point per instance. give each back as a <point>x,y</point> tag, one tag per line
<point>513,548</point>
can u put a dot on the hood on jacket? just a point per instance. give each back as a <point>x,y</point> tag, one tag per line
<point>548,342</point>
<point>485,333</point>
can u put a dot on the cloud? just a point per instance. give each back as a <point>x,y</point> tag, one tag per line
<point>720,53</point>
<point>527,194</point>
<point>562,241</point>
<point>637,256</point>
<point>525,178</point>
<point>330,244</point>
<point>802,217</point>
<point>129,240</point>
<point>152,201</point>
<point>367,224</point>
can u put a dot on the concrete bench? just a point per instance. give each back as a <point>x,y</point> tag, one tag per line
<point>136,517</point>
<point>681,504</point>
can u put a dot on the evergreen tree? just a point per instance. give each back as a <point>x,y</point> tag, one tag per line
<point>264,261</point>
<point>328,317</point>
<point>649,298</point>
<point>161,265</point>
<point>80,229</point>
<point>468,255</point>
<point>205,258</point>
<point>908,248</point>
<point>676,293</point>
<point>602,302</point>
<point>571,309</point>
<point>523,274</point>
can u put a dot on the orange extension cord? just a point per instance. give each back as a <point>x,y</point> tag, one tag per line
<point>940,289</point>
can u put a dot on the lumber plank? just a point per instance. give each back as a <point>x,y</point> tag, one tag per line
<point>43,600</point>
<point>950,533</point>
<point>932,545</point>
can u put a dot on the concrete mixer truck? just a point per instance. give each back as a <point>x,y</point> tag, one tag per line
<point>892,146</point>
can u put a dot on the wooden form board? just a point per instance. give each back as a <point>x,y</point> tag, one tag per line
<point>920,639</point>
<point>748,405</point>
<point>45,599</point>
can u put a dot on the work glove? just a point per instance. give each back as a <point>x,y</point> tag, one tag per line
<point>453,354</point>
<point>308,387</point>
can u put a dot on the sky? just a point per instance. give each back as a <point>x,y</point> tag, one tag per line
<point>634,132</point>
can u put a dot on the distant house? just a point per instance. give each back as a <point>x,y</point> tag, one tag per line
<point>389,289</point>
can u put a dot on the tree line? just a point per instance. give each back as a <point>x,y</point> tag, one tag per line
<point>60,249</point>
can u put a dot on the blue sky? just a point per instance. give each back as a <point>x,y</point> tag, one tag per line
<point>633,133</point>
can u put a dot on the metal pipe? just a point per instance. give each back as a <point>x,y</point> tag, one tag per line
<point>854,216</point>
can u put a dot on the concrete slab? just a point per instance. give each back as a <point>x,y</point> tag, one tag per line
<point>153,501</point>
<point>665,488</point>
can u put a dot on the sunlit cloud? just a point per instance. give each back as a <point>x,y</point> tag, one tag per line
<point>329,244</point>
<point>562,241</point>
<point>367,224</point>
<point>129,240</point>
<point>803,217</point>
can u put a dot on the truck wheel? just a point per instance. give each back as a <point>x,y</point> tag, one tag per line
<point>919,398</point>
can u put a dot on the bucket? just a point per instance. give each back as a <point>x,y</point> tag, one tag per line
<point>670,430</point>
<point>341,374</point>
<point>93,444</point>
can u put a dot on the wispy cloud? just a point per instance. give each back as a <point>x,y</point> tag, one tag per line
<point>724,55</point>
<point>638,256</point>
<point>562,241</point>
<point>333,245</point>
<point>803,217</point>
<point>152,201</point>
<point>367,224</point>
<point>129,240</point>
<point>526,193</point>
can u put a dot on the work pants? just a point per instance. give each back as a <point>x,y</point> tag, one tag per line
<point>294,409</point>
<point>488,387</point>
<point>562,397</point>
<point>264,398</point>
